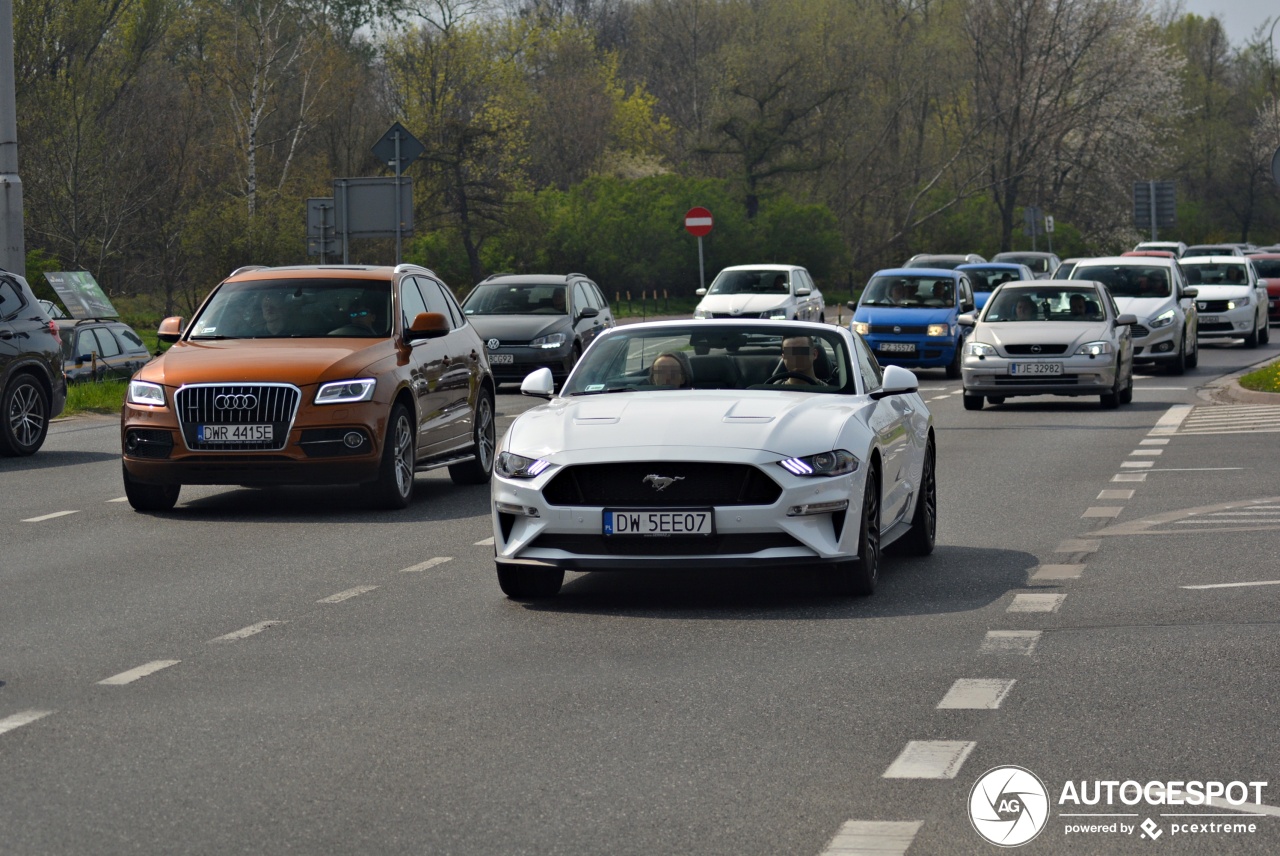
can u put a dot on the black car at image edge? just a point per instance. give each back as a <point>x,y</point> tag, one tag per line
<point>32,387</point>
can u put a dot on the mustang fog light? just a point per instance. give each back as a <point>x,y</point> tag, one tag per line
<point>836,463</point>
<point>519,510</point>
<point>513,466</point>
<point>817,508</point>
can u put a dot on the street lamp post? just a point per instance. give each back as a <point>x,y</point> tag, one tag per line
<point>13,254</point>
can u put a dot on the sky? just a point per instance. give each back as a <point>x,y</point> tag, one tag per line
<point>1240,17</point>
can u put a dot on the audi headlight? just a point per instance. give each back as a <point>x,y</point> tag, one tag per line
<point>701,313</point>
<point>979,349</point>
<point>1237,302</point>
<point>1094,349</point>
<point>1164,319</point>
<point>862,328</point>
<point>938,330</point>
<point>825,464</point>
<point>346,391</point>
<point>554,340</point>
<point>150,394</point>
<point>512,466</point>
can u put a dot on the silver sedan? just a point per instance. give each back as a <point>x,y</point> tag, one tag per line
<point>1050,337</point>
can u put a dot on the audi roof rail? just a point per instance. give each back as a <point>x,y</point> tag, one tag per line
<point>241,270</point>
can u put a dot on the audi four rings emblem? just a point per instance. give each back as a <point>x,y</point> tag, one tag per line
<point>492,344</point>
<point>235,402</point>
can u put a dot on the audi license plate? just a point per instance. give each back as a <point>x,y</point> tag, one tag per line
<point>897,347</point>
<point>1209,319</point>
<point>502,359</point>
<point>1035,368</point>
<point>669,521</point>
<point>234,433</point>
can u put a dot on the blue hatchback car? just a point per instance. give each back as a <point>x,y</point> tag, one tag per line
<point>908,317</point>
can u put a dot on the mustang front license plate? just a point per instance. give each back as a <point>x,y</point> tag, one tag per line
<point>668,521</point>
<point>502,359</point>
<point>1035,368</point>
<point>898,347</point>
<point>234,433</point>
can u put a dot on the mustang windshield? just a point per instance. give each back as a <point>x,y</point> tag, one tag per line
<point>1128,280</point>
<point>513,298</point>
<point>750,282</point>
<point>1045,304</point>
<point>920,292</point>
<point>296,308</point>
<point>714,356</point>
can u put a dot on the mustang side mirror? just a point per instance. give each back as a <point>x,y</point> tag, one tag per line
<point>170,329</point>
<point>897,381</point>
<point>539,384</point>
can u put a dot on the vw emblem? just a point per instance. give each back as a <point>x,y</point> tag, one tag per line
<point>1035,349</point>
<point>661,483</point>
<point>492,344</point>
<point>235,402</point>
<point>897,329</point>
<point>1202,305</point>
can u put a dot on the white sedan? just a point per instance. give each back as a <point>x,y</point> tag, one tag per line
<point>715,444</point>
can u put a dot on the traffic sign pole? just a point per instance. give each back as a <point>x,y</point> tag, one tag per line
<point>702,277</point>
<point>698,222</point>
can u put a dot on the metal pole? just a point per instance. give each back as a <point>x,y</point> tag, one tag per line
<point>1151,193</point>
<point>702,278</point>
<point>396,137</point>
<point>346,223</point>
<point>13,253</point>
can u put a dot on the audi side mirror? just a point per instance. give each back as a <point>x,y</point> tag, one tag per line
<point>427,325</point>
<point>170,329</point>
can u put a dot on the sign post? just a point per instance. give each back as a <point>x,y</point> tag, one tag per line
<point>1154,206</point>
<point>397,149</point>
<point>698,222</point>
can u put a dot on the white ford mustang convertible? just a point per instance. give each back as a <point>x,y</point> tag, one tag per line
<point>715,444</point>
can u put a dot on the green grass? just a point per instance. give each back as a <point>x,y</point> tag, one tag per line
<point>1265,379</point>
<point>102,397</point>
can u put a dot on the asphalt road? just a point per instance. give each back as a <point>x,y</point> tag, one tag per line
<point>289,672</point>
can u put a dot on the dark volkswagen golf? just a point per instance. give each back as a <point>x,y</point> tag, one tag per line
<point>534,321</point>
<point>32,388</point>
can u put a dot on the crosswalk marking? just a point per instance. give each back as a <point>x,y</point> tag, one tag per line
<point>1231,419</point>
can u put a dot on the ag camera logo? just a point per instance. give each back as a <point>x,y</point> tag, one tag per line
<point>1009,806</point>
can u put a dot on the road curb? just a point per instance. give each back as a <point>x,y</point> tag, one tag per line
<point>1227,389</point>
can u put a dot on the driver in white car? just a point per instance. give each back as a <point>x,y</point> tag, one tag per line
<point>799,354</point>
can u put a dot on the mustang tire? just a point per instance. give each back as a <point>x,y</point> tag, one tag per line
<point>480,469</point>
<point>920,538</point>
<point>860,576</point>
<point>150,497</point>
<point>529,583</point>
<point>394,487</point>
<point>25,410</point>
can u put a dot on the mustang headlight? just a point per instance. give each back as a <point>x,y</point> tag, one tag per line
<point>150,394</point>
<point>1237,302</point>
<point>554,340</point>
<point>512,466</point>
<point>346,391</point>
<point>1164,319</point>
<point>862,328</point>
<point>979,349</point>
<point>938,330</point>
<point>825,464</point>
<point>1094,349</point>
<point>702,313</point>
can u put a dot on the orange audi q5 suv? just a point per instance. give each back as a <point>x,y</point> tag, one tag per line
<point>312,375</point>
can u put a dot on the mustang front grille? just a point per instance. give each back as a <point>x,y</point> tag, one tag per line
<point>661,484</point>
<point>273,404</point>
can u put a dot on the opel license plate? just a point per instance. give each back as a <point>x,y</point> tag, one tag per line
<point>1035,368</point>
<point>234,433</point>
<point>502,359</point>
<point>663,522</point>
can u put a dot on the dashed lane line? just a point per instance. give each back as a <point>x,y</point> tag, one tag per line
<point>1027,602</point>
<point>246,632</point>
<point>1057,572</point>
<point>1151,452</point>
<point>119,499</point>
<point>976,694</point>
<point>930,759</point>
<point>487,542</point>
<point>1078,545</point>
<point>18,720</point>
<point>1010,641</point>
<point>346,595</point>
<point>1154,441</point>
<point>1172,418</point>
<point>873,838</point>
<point>139,672</point>
<point>1235,585</point>
<point>1129,477</point>
<point>429,563</point>
<point>1115,494</point>
<point>42,518</point>
<point>1137,465</point>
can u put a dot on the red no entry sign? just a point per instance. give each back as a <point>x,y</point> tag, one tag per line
<point>698,222</point>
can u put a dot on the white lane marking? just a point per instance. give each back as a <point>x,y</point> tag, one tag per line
<point>1151,452</point>
<point>45,517</point>
<point>1172,418</point>
<point>429,563</point>
<point>18,720</point>
<point>930,759</point>
<point>1277,507</point>
<point>119,499</point>
<point>1235,585</point>
<point>1129,477</point>
<point>1256,808</point>
<point>1218,431</point>
<point>1137,465</point>
<point>938,398</point>
<point>1144,388</point>
<point>1190,469</point>
<point>1103,511</point>
<point>1078,545</point>
<point>1229,520</point>
<point>1116,494</point>
<point>1057,572</point>
<point>958,392</point>
<point>245,632</point>
<point>976,694</point>
<point>488,542</point>
<point>140,672</point>
<point>1010,641</point>
<point>1242,513</point>
<point>873,838</point>
<point>1036,602</point>
<point>346,595</point>
<point>1161,441</point>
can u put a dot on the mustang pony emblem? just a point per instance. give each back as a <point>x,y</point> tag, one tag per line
<point>661,483</point>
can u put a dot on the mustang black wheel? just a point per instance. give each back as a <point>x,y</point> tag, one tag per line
<point>860,576</point>
<point>394,486</point>
<point>529,583</point>
<point>150,497</point>
<point>479,469</point>
<point>25,409</point>
<point>920,538</point>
